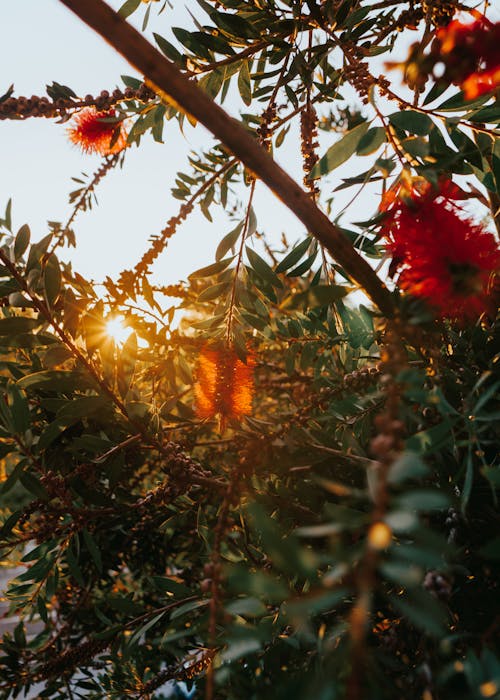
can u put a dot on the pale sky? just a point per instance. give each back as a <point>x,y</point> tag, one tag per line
<point>42,42</point>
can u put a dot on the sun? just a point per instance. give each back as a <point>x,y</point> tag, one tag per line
<point>116,329</point>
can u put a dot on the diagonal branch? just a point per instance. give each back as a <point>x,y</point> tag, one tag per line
<point>191,99</point>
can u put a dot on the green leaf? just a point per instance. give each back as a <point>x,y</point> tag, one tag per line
<point>52,280</point>
<point>256,583</point>
<point>458,102</point>
<point>129,81</point>
<point>22,241</point>
<point>215,43</point>
<point>407,466</point>
<point>284,550</point>
<point>212,83</point>
<point>81,407</point>
<point>213,269</point>
<point>491,392</point>
<point>293,257</point>
<point>436,91</point>
<point>431,440</point>
<point>244,83</point>
<point>234,25</point>
<point>126,364</point>
<point>263,269</point>
<point>129,7</point>
<point>493,475</point>
<point>13,477</point>
<point>415,146</point>
<point>215,291</point>
<point>340,151</point>
<point>489,115</point>
<point>304,266</point>
<point>326,294</point>
<point>93,549</point>
<point>145,628</point>
<point>188,607</point>
<point>17,324</point>
<point>73,566</point>
<point>251,607</point>
<point>423,500</point>
<point>189,40</point>
<point>228,241</point>
<point>56,380</point>
<point>52,432</point>
<point>315,604</point>
<point>37,251</point>
<point>371,141</point>
<point>38,570</point>
<point>125,604</point>
<point>33,485</point>
<point>411,121</point>
<point>402,521</point>
<point>469,479</point>
<point>20,410</point>
<point>238,648</point>
<point>7,220</point>
<point>168,49</point>
<point>423,611</point>
<point>402,573</point>
<point>281,136</point>
<point>254,321</point>
<point>170,585</point>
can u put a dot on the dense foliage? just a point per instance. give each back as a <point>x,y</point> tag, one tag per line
<point>289,494</point>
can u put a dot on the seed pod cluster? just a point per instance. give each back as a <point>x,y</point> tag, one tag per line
<point>36,106</point>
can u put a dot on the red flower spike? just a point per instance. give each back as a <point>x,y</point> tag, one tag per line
<point>98,132</point>
<point>479,84</point>
<point>443,257</point>
<point>224,385</point>
<point>470,55</point>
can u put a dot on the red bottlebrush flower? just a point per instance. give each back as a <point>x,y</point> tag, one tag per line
<point>468,52</point>
<point>443,257</point>
<point>479,84</point>
<point>470,55</point>
<point>98,132</point>
<point>224,385</point>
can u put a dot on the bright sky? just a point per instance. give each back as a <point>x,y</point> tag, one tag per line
<point>42,42</point>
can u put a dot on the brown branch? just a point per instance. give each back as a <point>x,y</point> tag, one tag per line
<point>192,100</point>
<point>35,106</point>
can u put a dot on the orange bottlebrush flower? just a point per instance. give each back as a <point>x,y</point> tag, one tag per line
<point>470,55</point>
<point>98,132</point>
<point>479,84</point>
<point>443,257</point>
<point>224,384</point>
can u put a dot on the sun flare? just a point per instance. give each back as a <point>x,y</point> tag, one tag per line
<point>116,329</point>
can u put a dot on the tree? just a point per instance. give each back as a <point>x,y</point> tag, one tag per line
<point>291,494</point>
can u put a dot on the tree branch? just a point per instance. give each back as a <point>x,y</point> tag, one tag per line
<point>191,99</point>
